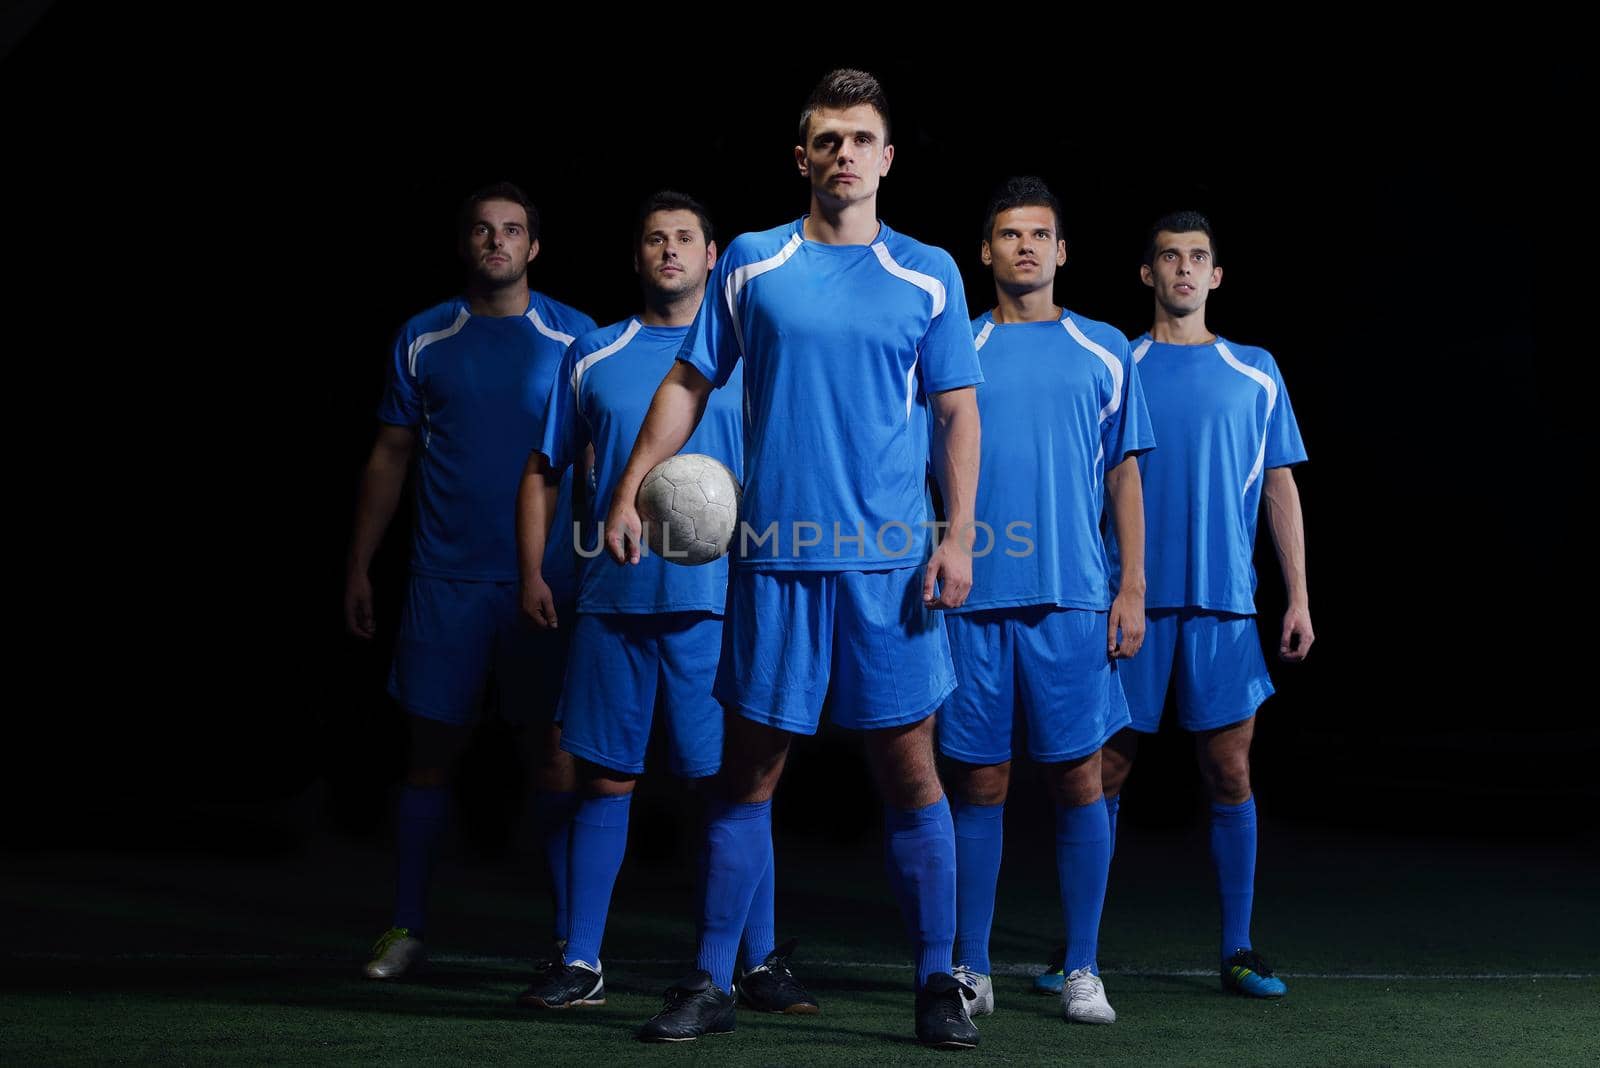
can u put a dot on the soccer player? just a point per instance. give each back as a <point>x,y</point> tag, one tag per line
<point>1041,633</point>
<point>465,398</point>
<point>644,631</point>
<point>849,333</point>
<point>1228,438</point>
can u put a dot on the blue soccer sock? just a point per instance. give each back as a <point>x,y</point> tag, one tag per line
<point>555,837</point>
<point>599,841</point>
<point>1113,802</point>
<point>980,837</point>
<point>922,870</point>
<point>1233,848</point>
<point>419,822</point>
<point>738,847</point>
<point>1083,857</point>
<point>759,927</point>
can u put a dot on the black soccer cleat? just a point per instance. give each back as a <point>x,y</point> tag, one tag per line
<point>564,986</point>
<point>942,1020</point>
<point>695,1007</point>
<point>772,987</point>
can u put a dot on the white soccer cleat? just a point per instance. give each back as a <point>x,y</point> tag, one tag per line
<point>395,954</point>
<point>982,987</point>
<point>1083,999</point>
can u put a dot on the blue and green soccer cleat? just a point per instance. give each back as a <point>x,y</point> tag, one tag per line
<point>1054,977</point>
<point>1246,973</point>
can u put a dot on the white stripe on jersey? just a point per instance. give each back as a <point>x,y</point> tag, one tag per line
<point>983,335</point>
<point>553,335</point>
<point>1264,380</point>
<point>427,339</point>
<point>1144,347</point>
<point>1112,364</point>
<point>926,282</point>
<point>583,365</point>
<point>741,275</point>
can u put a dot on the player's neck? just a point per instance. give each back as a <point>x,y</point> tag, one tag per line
<point>855,223</point>
<point>1034,306</point>
<point>1170,329</point>
<point>660,310</point>
<point>499,301</point>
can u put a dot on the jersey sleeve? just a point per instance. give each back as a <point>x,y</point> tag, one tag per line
<point>564,426</point>
<point>402,394</point>
<point>1284,445</point>
<point>1128,431</point>
<point>948,358</point>
<point>713,345</point>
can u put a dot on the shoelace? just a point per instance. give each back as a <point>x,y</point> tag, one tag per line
<point>1084,991</point>
<point>952,1006</point>
<point>1254,962</point>
<point>676,995</point>
<point>1259,966</point>
<point>777,963</point>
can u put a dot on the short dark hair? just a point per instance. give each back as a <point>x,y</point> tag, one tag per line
<point>1022,192</point>
<point>670,200</point>
<point>497,191</point>
<point>845,88</point>
<point>1180,222</point>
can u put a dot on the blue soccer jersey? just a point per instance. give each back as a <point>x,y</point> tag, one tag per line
<point>601,395</point>
<point>841,345</point>
<point>1060,404</point>
<point>474,389</point>
<point>1223,416</point>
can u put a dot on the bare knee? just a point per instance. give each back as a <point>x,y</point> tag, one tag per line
<point>1224,757</point>
<point>902,762</point>
<point>555,771</point>
<point>436,749</point>
<point>429,778</point>
<point>982,784</point>
<point>1075,783</point>
<point>605,782</point>
<point>1116,761</point>
<point>753,755</point>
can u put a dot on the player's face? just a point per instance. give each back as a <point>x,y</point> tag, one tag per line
<point>846,154</point>
<point>673,256</point>
<point>1183,274</point>
<point>498,246</point>
<point>1024,249</point>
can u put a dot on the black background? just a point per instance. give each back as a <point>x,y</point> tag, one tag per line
<point>216,231</point>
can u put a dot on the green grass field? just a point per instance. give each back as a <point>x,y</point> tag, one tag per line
<point>1395,953</point>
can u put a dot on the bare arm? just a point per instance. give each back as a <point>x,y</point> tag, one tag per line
<point>382,481</point>
<point>536,509</point>
<point>675,411</point>
<point>1125,491</point>
<point>1287,525</point>
<point>956,443</point>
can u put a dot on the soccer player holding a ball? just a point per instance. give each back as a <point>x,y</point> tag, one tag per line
<point>850,335</point>
<point>640,632</point>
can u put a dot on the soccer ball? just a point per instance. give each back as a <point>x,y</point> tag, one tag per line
<point>689,505</point>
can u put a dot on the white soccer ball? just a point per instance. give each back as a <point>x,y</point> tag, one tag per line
<point>689,505</point>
